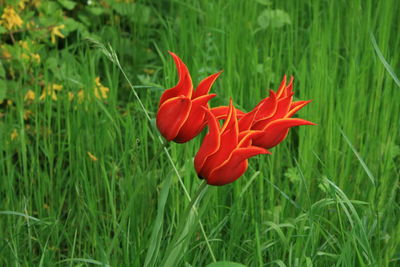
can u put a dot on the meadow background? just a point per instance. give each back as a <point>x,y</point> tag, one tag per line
<point>85,181</point>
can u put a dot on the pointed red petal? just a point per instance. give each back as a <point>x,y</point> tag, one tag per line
<point>229,140</point>
<point>184,86</point>
<point>246,138</point>
<point>247,120</point>
<point>221,112</point>
<point>234,167</point>
<point>210,144</point>
<point>282,87</point>
<point>296,106</point>
<point>231,121</point>
<point>281,110</point>
<point>195,121</point>
<point>171,115</point>
<point>289,87</point>
<point>277,131</point>
<point>204,86</point>
<point>268,108</point>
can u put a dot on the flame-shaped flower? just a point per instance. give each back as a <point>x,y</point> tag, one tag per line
<point>222,157</point>
<point>181,112</point>
<point>273,115</point>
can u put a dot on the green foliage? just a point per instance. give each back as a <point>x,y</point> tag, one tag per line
<point>86,181</point>
<point>273,18</point>
<point>225,264</point>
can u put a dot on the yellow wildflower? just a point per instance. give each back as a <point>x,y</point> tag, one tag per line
<point>35,57</point>
<point>55,31</point>
<point>9,102</point>
<point>47,92</point>
<point>97,81</point>
<point>10,19</point>
<point>91,156</point>
<point>99,87</point>
<point>29,96</point>
<point>31,24</point>
<point>25,56</point>
<point>81,96</point>
<point>14,134</point>
<point>27,114</point>
<point>70,96</point>
<point>104,91</point>
<point>57,87</point>
<point>149,71</point>
<point>24,44</point>
<point>22,4</point>
<point>6,54</point>
<point>50,90</point>
<point>36,3</point>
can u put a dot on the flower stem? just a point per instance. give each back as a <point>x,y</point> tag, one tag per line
<point>114,58</point>
<point>184,230</point>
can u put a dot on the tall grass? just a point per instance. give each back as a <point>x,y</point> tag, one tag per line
<point>328,195</point>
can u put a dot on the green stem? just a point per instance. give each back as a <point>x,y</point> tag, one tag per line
<point>114,58</point>
<point>183,234</point>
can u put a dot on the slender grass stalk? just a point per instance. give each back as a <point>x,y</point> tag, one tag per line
<point>111,54</point>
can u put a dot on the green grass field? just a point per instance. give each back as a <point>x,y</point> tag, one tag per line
<point>327,196</point>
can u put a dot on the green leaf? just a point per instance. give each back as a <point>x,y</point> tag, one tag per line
<point>2,71</point>
<point>157,232</point>
<point>293,175</point>
<point>225,264</point>
<point>72,25</point>
<point>84,19</point>
<point>264,2</point>
<point>49,7</point>
<point>97,11</point>
<point>274,18</point>
<point>67,4</point>
<point>2,29</point>
<point>3,89</point>
<point>141,14</point>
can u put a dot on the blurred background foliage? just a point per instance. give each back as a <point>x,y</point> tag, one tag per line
<point>83,179</point>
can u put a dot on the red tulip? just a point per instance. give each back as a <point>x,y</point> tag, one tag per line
<point>222,157</point>
<point>273,115</point>
<point>181,113</point>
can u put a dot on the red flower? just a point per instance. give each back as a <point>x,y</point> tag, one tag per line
<point>273,115</point>
<point>222,157</point>
<point>181,113</point>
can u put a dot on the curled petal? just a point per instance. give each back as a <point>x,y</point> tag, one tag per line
<point>184,86</point>
<point>281,110</point>
<point>289,87</point>
<point>171,115</point>
<point>246,138</point>
<point>231,121</point>
<point>210,144</point>
<point>285,90</point>
<point>264,110</point>
<point>234,167</point>
<point>276,132</point>
<point>296,106</point>
<point>268,107</point>
<point>204,86</point>
<point>195,121</point>
<point>229,139</point>
<point>247,120</point>
<point>282,87</point>
<point>221,112</point>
